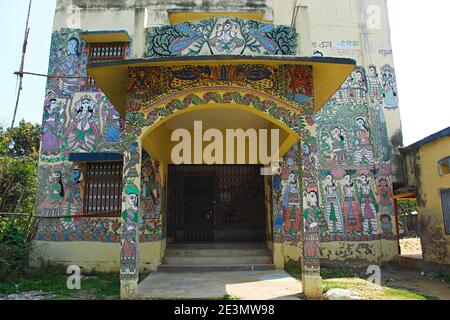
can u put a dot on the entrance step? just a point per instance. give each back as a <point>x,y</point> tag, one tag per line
<point>239,246</point>
<point>216,257</point>
<point>205,268</point>
<point>222,260</point>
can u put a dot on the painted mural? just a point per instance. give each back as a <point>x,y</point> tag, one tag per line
<point>67,63</point>
<point>75,120</point>
<point>346,190</point>
<point>151,198</point>
<point>346,163</point>
<point>264,88</point>
<point>215,36</point>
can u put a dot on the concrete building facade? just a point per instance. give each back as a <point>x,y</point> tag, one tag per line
<point>124,75</point>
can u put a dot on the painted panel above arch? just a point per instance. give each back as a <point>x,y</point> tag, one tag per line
<point>221,35</point>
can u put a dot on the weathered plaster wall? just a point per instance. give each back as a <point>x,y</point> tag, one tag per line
<point>435,243</point>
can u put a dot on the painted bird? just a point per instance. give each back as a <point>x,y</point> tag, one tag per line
<point>258,34</point>
<point>179,45</point>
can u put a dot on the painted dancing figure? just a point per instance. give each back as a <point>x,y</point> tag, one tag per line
<point>352,220</point>
<point>389,87</point>
<point>369,207</point>
<point>291,206</point>
<point>50,141</point>
<point>374,85</point>
<point>363,149</point>
<point>333,207</point>
<point>338,147</point>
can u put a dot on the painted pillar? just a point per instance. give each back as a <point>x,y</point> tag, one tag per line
<point>310,239</point>
<point>277,192</point>
<point>129,254</point>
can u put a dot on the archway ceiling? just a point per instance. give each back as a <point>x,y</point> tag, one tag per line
<point>328,73</point>
<point>157,141</point>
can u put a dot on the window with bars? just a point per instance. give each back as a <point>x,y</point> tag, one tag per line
<point>445,198</point>
<point>103,188</point>
<point>105,52</point>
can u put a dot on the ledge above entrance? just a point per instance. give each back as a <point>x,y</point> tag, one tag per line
<point>328,73</point>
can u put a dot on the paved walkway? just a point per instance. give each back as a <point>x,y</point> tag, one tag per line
<point>247,285</point>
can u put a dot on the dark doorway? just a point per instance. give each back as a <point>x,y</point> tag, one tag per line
<point>216,204</point>
<point>198,205</point>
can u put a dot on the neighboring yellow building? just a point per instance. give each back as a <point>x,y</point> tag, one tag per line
<point>428,178</point>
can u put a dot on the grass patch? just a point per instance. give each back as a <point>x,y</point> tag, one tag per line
<point>332,273</point>
<point>99,286</point>
<point>293,269</point>
<point>328,285</point>
<point>404,294</point>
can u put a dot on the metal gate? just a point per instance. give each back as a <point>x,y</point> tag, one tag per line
<point>220,203</point>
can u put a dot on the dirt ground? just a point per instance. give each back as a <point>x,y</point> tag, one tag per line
<point>410,246</point>
<point>419,285</point>
<point>426,283</point>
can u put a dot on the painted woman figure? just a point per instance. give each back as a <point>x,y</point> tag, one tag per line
<point>363,148</point>
<point>150,191</point>
<point>83,133</point>
<point>50,141</point>
<point>112,128</point>
<point>313,227</point>
<point>71,69</point>
<point>352,220</point>
<point>389,87</point>
<point>56,196</point>
<point>360,85</point>
<point>374,86</point>
<point>369,207</point>
<point>382,146</point>
<point>385,196</point>
<point>386,225</point>
<point>333,209</point>
<point>226,39</point>
<point>291,205</point>
<point>130,216</point>
<point>338,147</point>
<point>313,215</point>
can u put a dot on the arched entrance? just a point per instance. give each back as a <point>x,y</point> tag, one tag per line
<point>153,95</point>
<point>216,197</point>
<point>209,201</point>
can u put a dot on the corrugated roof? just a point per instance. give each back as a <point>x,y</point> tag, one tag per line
<point>430,138</point>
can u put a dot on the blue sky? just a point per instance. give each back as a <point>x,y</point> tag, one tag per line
<point>12,22</point>
<point>418,44</point>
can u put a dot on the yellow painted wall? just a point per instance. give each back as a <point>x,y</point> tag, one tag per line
<point>435,243</point>
<point>90,256</point>
<point>361,252</point>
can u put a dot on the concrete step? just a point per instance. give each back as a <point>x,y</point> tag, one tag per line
<point>210,246</point>
<point>167,268</point>
<point>172,252</point>
<point>217,260</point>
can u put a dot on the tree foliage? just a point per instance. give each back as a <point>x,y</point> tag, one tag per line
<point>19,155</point>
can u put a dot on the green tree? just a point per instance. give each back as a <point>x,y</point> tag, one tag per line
<point>21,141</point>
<point>19,155</point>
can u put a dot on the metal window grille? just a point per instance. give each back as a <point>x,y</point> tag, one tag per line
<point>445,198</point>
<point>103,188</point>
